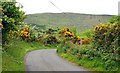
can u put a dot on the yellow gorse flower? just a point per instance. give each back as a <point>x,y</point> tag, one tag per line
<point>75,39</point>
<point>25,33</point>
<point>101,26</point>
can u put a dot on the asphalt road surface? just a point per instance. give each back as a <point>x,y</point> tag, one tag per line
<point>48,60</point>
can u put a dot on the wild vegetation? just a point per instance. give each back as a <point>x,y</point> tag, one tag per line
<point>95,49</point>
<point>104,51</point>
<point>18,38</point>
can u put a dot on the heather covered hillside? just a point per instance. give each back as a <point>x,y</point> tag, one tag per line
<point>80,21</point>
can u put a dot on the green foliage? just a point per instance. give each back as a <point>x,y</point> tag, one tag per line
<point>115,19</point>
<point>50,39</point>
<point>106,42</point>
<point>88,33</point>
<point>73,29</point>
<point>8,24</point>
<point>11,17</point>
<point>51,31</point>
<point>102,54</point>
<point>106,46</point>
<point>12,11</point>
<point>82,55</point>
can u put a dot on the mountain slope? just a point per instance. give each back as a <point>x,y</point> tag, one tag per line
<point>79,21</point>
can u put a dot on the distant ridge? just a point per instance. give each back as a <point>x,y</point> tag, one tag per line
<point>79,21</point>
<point>72,13</point>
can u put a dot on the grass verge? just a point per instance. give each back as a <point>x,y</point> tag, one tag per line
<point>13,58</point>
<point>92,65</point>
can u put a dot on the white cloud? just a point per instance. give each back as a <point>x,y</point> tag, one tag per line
<point>76,6</point>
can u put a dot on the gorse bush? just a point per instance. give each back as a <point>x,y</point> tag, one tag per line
<point>69,35</point>
<point>66,33</point>
<point>107,42</point>
<point>103,49</point>
<point>25,33</point>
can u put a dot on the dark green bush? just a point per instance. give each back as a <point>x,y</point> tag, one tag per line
<point>50,39</point>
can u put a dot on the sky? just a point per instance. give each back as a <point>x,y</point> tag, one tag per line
<point>109,7</point>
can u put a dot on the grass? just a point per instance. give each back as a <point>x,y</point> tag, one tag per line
<point>85,34</point>
<point>10,63</point>
<point>92,65</point>
<point>13,59</point>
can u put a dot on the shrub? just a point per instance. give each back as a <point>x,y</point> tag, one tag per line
<point>106,41</point>
<point>14,34</point>
<point>25,33</point>
<point>115,19</point>
<point>66,32</point>
<point>50,39</point>
<point>104,45</point>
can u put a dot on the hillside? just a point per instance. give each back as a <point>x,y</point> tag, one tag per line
<point>79,21</point>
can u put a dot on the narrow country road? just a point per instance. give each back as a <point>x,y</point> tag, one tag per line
<point>48,60</point>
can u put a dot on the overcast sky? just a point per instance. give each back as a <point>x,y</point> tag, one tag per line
<point>76,6</point>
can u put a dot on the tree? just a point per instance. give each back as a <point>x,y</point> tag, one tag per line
<point>12,16</point>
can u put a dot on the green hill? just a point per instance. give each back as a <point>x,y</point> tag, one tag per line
<point>79,21</point>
